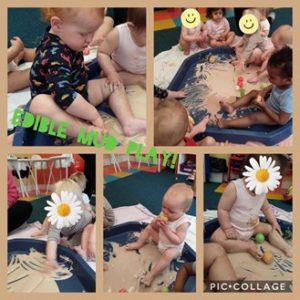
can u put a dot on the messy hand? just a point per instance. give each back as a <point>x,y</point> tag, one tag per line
<point>50,265</point>
<point>231,233</point>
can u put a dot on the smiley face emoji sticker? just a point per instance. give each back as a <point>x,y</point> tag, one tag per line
<point>190,18</point>
<point>248,24</point>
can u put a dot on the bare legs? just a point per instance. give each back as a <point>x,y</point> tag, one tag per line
<point>167,256</point>
<point>87,236</point>
<point>233,246</point>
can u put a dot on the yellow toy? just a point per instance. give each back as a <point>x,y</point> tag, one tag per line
<point>162,217</point>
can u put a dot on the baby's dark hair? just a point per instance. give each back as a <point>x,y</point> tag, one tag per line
<point>280,160</point>
<point>283,59</point>
<point>137,16</point>
<point>210,11</point>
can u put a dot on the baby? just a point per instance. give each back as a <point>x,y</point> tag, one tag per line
<point>122,55</point>
<point>277,108</point>
<point>251,47</point>
<point>59,84</point>
<point>218,28</point>
<point>192,37</point>
<point>54,234</point>
<point>173,127</point>
<point>238,215</point>
<point>281,37</point>
<point>169,230</point>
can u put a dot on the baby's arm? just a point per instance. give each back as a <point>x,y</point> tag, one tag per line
<point>51,263</point>
<point>91,247</point>
<point>176,237</point>
<point>103,30</point>
<point>280,119</point>
<point>43,230</point>
<point>267,211</point>
<point>110,44</point>
<point>225,204</point>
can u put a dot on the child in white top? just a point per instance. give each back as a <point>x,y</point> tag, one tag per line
<point>169,229</point>
<point>218,28</point>
<point>238,215</point>
<point>122,55</point>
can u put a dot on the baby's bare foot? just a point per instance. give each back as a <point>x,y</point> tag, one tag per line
<point>288,252</point>
<point>219,122</point>
<point>133,246</point>
<point>227,107</point>
<point>253,80</point>
<point>134,126</point>
<point>201,127</point>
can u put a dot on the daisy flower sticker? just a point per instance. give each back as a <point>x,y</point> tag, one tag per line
<point>263,176</point>
<point>64,211</point>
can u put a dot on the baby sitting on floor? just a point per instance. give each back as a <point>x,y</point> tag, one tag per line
<point>168,230</point>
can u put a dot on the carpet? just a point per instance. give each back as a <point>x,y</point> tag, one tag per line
<point>277,194</point>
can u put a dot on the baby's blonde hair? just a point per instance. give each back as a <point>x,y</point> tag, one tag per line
<point>67,12</point>
<point>68,185</point>
<point>80,179</point>
<point>184,194</point>
<point>170,123</point>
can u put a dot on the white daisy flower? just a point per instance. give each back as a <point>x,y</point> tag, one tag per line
<point>263,176</point>
<point>64,211</point>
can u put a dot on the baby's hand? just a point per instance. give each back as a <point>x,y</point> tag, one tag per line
<point>50,265</point>
<point>114,80</point>
<point>231,233</point>
<point>17,43</point>
<point>179,94</point>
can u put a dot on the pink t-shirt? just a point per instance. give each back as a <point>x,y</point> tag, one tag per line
<point>12,191</point>
<point>217,28</point>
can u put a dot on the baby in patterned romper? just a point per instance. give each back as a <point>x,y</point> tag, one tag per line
<point>59,84</point>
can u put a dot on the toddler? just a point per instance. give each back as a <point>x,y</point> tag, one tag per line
<point>192,37</point>
<point>251,47</point>
<point>59,83</point>
<point>281,37</point>
<point>173,127</point>
<point>238,214</point>
<point>277,108</point>
<point>54,234</point>
<point>218,28</point>
<point>122,55</point>
<point>169,233</point>
<point>18,79</point>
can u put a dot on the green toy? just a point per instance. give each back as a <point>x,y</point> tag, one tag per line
<point>165,289</point>
<point>259,238</point>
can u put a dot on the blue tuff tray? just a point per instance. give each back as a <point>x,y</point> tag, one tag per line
<point>268,135</point>
<point>124,233</point>
<point>211,226</point>
<point>83,279</point>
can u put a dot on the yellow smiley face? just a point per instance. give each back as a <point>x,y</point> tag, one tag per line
<point>248,24</point>
<point>190,18</point>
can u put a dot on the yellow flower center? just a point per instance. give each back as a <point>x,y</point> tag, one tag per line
<point>262,175</point>
<point>63,210</point>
